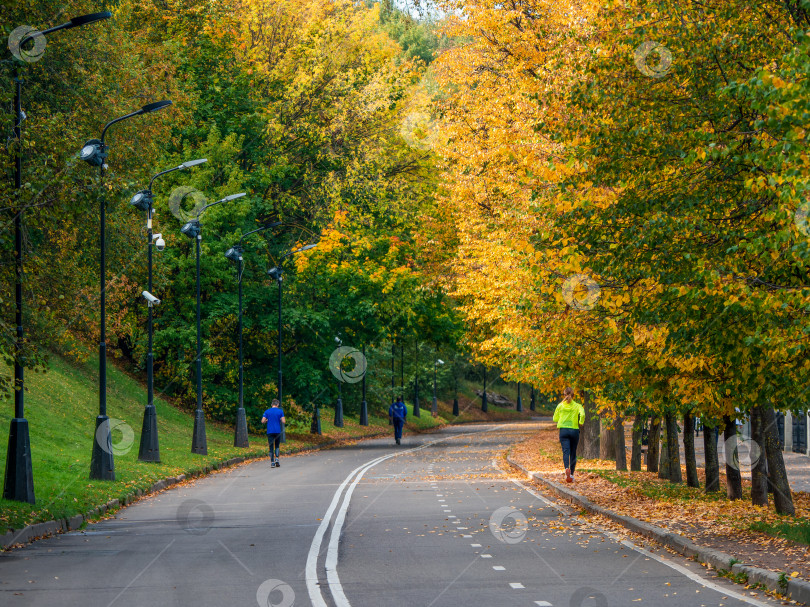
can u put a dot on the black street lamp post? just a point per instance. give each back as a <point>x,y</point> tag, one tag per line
<point>435,410</point>
<point>193,229</point>
<point>393,358</point>
<point>364,404</point>
<point>532,404</point>
<point>455,394</point>
<point>339,404</point>
<point>484,405</point>
<point>18,482</point>
<point>519,407</point>
<point>240,436</point>
<point>143,200</point>
<point>94,153</point>
<point>277,275</point>
<point>416,411</point>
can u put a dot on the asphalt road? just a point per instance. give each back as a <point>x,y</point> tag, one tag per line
<point>433,522</point>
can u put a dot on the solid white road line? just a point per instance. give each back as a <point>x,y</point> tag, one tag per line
<point>311,570</point>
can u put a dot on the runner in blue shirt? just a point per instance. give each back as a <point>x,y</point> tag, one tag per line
<point>397,414</point>
<point>274,417</point>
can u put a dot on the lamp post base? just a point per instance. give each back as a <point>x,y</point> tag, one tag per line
<point>364,414</point>
<point>19,481</point>
<point>199,444</point>
<point>339,413</point>
<point>150,449</point>
<point>435,409</point>
<point>315,426</point>
<point>102,464</point>
<point>519,407</point>
<point>240,436</point>
<point>417,412</point>
<point>455,407</point>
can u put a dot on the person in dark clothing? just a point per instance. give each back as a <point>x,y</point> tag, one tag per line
<point>397,413</point>
<point>274,417</point>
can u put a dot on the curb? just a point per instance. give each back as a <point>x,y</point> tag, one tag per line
<point>798,590</point>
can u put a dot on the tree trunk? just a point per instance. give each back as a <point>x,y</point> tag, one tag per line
<point>710,453</point>
<point>663,458</point>
<point>733,478</point>
<point>782,498</point>
<point>635,453</point>
<point>620,447</point>
<point>673,450</point>
<point>589,434</point>
<point>607,446</point>
<point>653,441</point>
<point>689,450</point>
<point>759,475</point>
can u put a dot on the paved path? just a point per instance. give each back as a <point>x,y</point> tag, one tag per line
<point>433,523</point>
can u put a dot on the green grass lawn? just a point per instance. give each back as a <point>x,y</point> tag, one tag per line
<point>798,531</point>
<point>61,408</point>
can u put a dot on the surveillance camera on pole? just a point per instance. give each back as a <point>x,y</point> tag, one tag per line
<point>153,301</point>
<point>160,244</point>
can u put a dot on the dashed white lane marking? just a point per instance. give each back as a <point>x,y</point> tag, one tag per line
<point>516,585</point>
<point>462,528</point>
<point>542,604</point>
<point>486,556</point>
<point>499,568</point>
<point>475,545</point>
<point>466,536</point>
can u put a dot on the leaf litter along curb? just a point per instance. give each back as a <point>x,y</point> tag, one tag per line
<point>708,520</point>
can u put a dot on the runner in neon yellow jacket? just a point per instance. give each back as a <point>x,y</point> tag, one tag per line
<point>569,415</point>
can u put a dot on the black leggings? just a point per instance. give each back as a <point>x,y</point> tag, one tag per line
<point>273,440</point>
<point>569,439</point>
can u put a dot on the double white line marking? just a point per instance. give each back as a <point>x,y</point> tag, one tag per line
<point>332,578</point>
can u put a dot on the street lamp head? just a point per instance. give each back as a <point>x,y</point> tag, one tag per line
<point>94,152</point>
<point>338,341</point>
<point>439,361</point>
<point>275,273</point>
<point>86,19</point>
<point>154,107</point>
<point>142,200</point>
<point>234,253</point>
<point>193,163</point>
<point>233,196</point>
<point>191,229</point>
